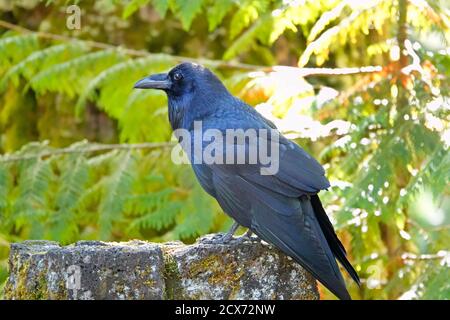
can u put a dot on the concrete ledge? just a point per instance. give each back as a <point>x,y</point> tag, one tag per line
<point>144,270</point>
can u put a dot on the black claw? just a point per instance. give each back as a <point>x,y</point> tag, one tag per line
<point>219,238</point>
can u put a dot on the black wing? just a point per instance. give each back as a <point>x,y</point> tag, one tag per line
<point>278,209</point>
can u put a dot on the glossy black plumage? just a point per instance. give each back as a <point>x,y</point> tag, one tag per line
<point>282,209</point>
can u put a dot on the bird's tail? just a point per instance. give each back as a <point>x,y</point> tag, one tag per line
<point>333,241</point>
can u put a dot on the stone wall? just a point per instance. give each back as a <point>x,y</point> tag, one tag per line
<point>143,270</point>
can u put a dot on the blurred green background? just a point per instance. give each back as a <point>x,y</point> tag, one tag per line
<point>70,167</point>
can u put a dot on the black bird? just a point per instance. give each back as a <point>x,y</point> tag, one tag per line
<point>283,208</point>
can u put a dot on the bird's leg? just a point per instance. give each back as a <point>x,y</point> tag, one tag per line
<point>227,236</point>
<point>248,236</point>
<point>222,238</point>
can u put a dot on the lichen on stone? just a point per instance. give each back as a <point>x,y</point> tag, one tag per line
<point>143,270</point>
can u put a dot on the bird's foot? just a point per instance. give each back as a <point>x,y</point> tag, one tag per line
<point>221,238</point>
<point>224,238</point>
<point>249,236</point>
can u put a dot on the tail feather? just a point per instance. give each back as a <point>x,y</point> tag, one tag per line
<point>300,236</point>
<point>333,241</point>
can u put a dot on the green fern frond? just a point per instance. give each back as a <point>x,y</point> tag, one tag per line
<point>158,220</point>
<point>217,12</point>
<point>30,205</point>
<point>347,29</point>
<point>197,215</point>
<point>115,83</point>
<point>42,59</point>
<point>14,48</point>
<point>72,182</point>
<point>133,6</point>
<point>62,224</point>
<point>248,12</point>
<point>4,187</point>
<point>60,78</point>
<point>433,174</point>
<point>436,286</point>
<point>187,10</point>
<point>325,19</point>
<point>271,25</point>
<point>246,40</point>
<point>140,109</point>
<point>161,6</point>
<point>141,204</point>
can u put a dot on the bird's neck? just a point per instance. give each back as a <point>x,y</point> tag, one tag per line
<point>178,105</point>
<point>185,109</point>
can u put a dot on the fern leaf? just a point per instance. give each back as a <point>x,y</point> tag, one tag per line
<point>140,109</point>
<point>320,46</point>
<point>249,11</point>
<point>4,187</point>
<point>73,179</point>
<point>116,82</point>
<point>161,6</point>
<point>133,6</point>
<point>217,12</point>
<point>14,48</point>
<point>187,10</point>
<point>32,188</point>
<point>42,59</point>
<point>433,173</point>
<point>197,215</point>
<point>63,222</point>
<point>245,41</point>
<point>159,219</point>
<point>117,186</point>
<point>325,19</point>
<point>60,78</point>
<point>144,203</point>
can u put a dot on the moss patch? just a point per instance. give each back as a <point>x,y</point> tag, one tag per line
<point>222,272</point>
<point>29,282</point>
<point>172,277</point>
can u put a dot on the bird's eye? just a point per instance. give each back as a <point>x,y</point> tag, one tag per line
<point>177,76</point>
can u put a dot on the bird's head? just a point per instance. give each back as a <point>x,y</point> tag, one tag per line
<point>190,88</point>
<point>185,78</point>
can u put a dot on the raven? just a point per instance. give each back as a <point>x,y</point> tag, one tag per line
<point>281,208</point>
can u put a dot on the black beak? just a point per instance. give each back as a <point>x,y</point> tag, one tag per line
<point>156,81</point>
